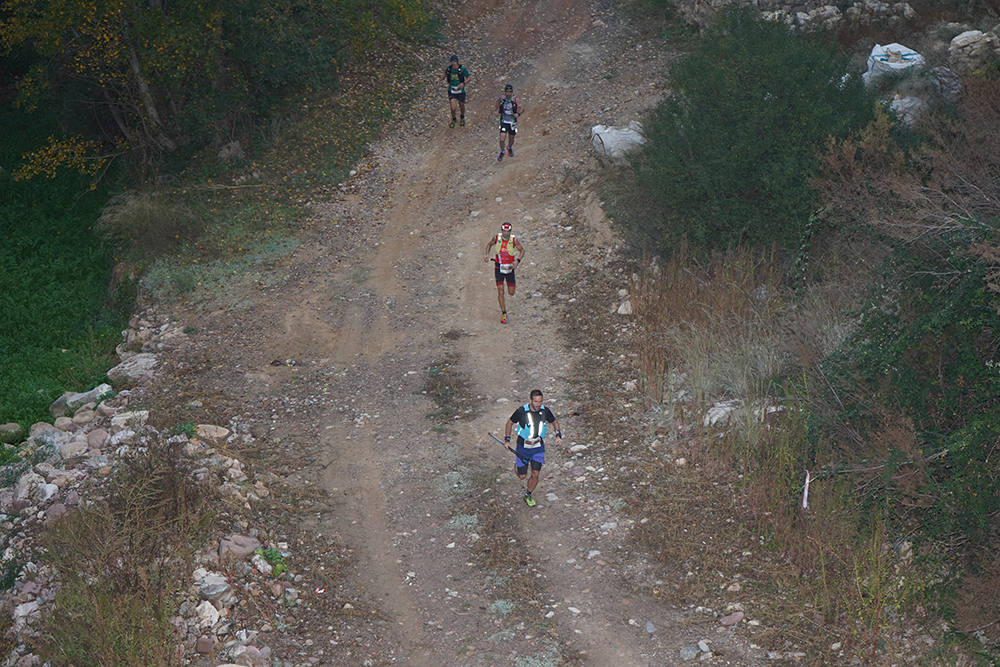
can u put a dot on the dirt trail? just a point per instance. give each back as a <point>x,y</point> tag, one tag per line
<point>394,283</point>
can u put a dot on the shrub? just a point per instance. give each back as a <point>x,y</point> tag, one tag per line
<point>146,223</point>
<point>731,151</point>
<point>119,561</point>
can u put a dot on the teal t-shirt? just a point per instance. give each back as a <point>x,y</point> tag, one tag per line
<point>456,76</point>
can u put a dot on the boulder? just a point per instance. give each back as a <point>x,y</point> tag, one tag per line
<point>908,109</point>
<point>75,401</point>
<point>58,407</point>
<point>232,151</point>
<point>10,432</point>
<point>213,586</point>
<point>615,143</point>
<point>972,50</point>
<point>208,615</point>
<point>27,484</point>
<point>83,417</point>
<point>134,369</point>
<point>947,83</point>
<point>212,432</point>
<point>65,424</point>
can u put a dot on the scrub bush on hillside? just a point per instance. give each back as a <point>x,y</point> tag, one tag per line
<point>730,153</point>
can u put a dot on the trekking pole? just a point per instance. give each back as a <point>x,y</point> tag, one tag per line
<point>509,449</point>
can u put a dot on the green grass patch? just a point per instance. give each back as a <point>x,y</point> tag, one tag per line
<point>60,324</point>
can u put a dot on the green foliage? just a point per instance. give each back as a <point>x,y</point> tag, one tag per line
<point>187,428</point>
<point>730,153</point>
<point>275,559</point>
<point>929,345</point>
<point>60,323</point>
<point>166,75</point>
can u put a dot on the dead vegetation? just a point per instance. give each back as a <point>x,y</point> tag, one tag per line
<point>119,563</point>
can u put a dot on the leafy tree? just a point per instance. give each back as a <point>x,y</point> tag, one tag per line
<point>731,151</point>
<point>147,76</point>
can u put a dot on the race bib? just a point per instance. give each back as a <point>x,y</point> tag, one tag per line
<point>506,268</point>
<point>534,445</point>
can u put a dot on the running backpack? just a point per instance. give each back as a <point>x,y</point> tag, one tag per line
<point>513,108</point>
<point>447,73</point>
<point>536,426</point>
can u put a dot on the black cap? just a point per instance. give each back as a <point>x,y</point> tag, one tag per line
<point>454,58</point>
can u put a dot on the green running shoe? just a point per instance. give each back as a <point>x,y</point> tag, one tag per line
<point>529,501</point>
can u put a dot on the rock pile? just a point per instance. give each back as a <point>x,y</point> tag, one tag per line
<point>67,463</point>
<point>807,16</point>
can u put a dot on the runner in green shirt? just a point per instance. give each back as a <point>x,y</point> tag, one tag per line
<point>457,76</point>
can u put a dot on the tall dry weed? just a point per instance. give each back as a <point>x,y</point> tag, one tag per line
<point>717,326</point>
<point>119,560</point>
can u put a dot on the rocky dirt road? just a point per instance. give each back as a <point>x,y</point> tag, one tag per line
<point>372,373</point>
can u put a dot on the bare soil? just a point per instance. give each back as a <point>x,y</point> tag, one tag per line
<point>373,370</point>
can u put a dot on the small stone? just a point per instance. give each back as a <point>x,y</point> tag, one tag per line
<point>734,587</point>
<point>73,448</point>
<point>703,646</point>
<point>237,547</point>
<point>65,424</point>
<point>204,645</point>
<point>625,308</point>
<point>680,461</point>
<point>573,610</point>
<point>83,417</point>
<point>732,619</point>
<point>212,432</point>
<point>97,438</point>
<point>689,653</point>
<point>650,628</point>
<point>835,646</point>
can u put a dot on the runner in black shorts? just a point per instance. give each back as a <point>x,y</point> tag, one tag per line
<point>500,250</point>
<point>509,111</point>
<point>456,75</point>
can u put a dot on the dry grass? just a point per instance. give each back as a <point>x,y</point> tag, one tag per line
<point>813,577</point>
<point>119,562</point>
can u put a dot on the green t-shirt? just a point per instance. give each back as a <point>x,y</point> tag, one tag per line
<point>456,76</point>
